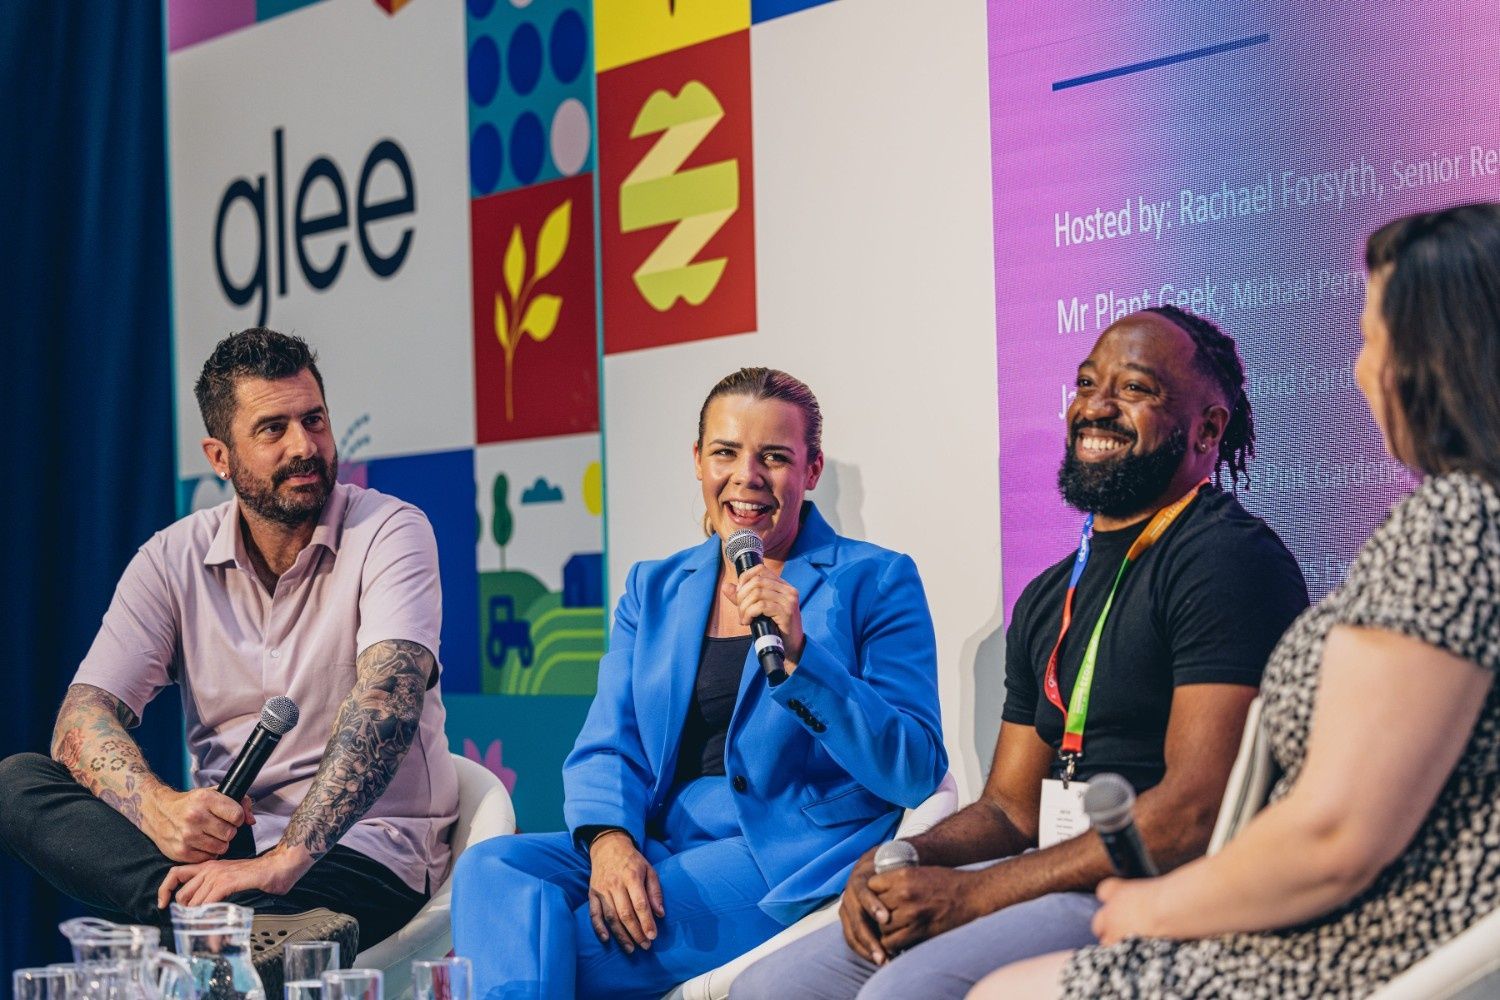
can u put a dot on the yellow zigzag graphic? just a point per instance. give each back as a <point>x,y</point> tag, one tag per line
<point>699,200</point>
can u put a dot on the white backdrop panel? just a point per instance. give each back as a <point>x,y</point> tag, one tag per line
<point>875,264</point>
<point>398,349</point>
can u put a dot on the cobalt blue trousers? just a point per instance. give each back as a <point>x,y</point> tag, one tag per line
<point>520,907</point>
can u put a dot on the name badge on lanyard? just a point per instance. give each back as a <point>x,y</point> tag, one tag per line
<point>1076,711</point>
<point>1062,816</point>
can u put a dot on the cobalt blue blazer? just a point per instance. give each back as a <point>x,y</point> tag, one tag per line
<point>828,758</point>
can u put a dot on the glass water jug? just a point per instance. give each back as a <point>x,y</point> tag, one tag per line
<point>147,971</point>
<point>215,941</point>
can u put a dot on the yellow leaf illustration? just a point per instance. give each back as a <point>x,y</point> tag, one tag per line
<point>541,317</point>
<point>502,322</point>
<point>515,263</point>
<point>552,241</point>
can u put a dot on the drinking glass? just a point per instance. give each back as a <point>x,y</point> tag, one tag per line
<point>305,963</point>
<point>443,979</point>
<point>51,983</point>
<point>353,984</point>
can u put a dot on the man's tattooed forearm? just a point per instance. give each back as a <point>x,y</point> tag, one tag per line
<point>375,728</point>
<point>90,741</point>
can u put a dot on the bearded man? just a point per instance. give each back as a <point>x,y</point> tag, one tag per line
<point>300,586</point>
<point>1139,654</point>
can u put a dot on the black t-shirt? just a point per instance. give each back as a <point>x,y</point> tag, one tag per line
<point>720,667</point>
<point>1204,605</point>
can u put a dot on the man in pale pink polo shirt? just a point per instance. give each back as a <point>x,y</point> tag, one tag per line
<point>326,593</point>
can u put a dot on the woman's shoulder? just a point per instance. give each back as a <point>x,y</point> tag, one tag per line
<point>648,572</point>
<point>1446,509</point>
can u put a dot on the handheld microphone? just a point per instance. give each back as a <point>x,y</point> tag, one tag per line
<point>1110,804</point>
<point>895,854</point>
<point>745,550</point>
<point>277,718</point>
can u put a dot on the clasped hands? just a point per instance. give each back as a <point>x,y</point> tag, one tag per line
<point>885,914</point>
<point>196,827</point>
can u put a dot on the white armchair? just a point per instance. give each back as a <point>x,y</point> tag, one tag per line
<point>484,811</point>
<point>1466,968</point>
<point>714,985</point>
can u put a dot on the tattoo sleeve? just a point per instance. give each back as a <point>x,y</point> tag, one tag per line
<point>374,729</point>
<point>90,741</point>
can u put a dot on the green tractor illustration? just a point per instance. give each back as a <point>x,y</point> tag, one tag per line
<point>507,632</point>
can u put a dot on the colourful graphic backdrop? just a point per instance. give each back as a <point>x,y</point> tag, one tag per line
<point>1230,161</point>
<point>419,201</point>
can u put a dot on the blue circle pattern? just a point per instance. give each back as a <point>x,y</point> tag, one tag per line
<point>525,57</point>
<point>566,50</point>
<point>527,144</point>
<point>486,159</point>
<point>569,45</point>
<point>484,70</point>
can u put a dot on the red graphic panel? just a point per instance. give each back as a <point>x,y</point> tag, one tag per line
<point>676,195</point>
<point>536,360</point>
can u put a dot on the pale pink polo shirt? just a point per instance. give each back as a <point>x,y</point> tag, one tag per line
<point>190,609</point>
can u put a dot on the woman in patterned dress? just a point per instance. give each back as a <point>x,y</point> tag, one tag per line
<point>1382,841</point>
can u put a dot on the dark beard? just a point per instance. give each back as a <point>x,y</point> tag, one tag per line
<point>294,509</point>
<point>1122,486</point>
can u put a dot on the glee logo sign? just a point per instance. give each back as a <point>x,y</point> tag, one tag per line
<point>319,259</point>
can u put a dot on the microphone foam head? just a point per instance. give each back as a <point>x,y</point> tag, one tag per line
<point>279,715</point>
<point>1109,802</point>
<point>895,854</point>
<point>743,541</point>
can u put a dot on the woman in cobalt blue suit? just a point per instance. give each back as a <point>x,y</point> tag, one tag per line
<point>706,808</point>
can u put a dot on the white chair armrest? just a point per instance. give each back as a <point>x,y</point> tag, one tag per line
<point>1453,969</point>
<point>484,811</point>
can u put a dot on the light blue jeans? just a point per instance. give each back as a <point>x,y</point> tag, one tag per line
<point>520,908</point>
<point>821,966</point>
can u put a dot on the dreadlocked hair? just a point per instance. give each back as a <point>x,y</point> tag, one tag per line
<point>1217,358</point>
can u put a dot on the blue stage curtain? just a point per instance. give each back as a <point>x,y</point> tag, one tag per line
<point>85,365</point>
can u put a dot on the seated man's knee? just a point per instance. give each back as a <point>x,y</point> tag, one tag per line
<point>22,768</point>
<point>898,980</point>
<point>19,773</point>
<point>764,978</point>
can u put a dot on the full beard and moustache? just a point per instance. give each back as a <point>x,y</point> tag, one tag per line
<point>1119,487</point>
<point>296,507</point>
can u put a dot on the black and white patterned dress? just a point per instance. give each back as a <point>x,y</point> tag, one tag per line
<point>1431,571</point>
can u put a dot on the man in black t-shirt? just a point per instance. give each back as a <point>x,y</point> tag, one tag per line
<point>1175,642</point>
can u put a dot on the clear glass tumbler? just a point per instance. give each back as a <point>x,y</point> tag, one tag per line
<point>56,982</point>
<point>353,984</point>
<point>443,979</point>
<point>305,962</point>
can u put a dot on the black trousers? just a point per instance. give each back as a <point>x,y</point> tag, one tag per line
<point>89,851</point>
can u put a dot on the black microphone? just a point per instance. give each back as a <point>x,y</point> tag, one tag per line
<point>745,550</point>
<point>1110,804</point>
<point>277,718</point>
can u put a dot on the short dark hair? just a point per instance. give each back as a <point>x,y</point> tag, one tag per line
<point>253,353</point>
<point>1442,309</point>
<point>771,383</point>
<point>1218,359</point>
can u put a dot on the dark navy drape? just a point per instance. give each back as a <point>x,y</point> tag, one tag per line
<point>85,368</point>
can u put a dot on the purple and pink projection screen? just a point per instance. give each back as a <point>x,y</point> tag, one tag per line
<point>1231,162</point>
